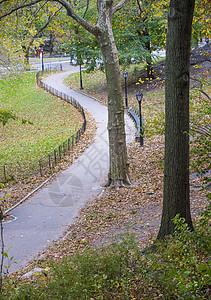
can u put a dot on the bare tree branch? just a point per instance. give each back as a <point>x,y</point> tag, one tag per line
<point>71,12</point>
<point>19,7</point>
<point>201,86</point>
<point>120,5</point>
<point>87,7</point>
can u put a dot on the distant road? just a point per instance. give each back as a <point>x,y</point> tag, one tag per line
<point>50,63</point>
<point>63,63</point>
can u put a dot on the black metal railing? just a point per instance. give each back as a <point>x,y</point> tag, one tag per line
<point>47,163</point>
<point>134,114</point>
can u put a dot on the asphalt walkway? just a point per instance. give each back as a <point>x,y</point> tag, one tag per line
<point>45,216</point>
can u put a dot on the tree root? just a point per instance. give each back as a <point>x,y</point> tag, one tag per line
<point>118,183</point>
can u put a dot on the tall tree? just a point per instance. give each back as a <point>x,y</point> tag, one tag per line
<point>26,28</point>
<point>41,22</point>
<point>176,167</point>
<point>102,30</point>
<point>139,29</point>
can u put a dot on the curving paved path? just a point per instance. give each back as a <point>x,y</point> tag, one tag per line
<point>44,217</point>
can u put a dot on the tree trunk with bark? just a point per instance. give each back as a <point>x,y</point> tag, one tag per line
<point>118,172</point>
<point>176,166</point>
<point>118,168</point>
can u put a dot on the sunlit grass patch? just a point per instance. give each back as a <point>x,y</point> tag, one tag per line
<point>91,80</point>
<point>53,120</point>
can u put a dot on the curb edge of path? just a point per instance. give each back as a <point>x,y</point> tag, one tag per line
<point>30,194</point>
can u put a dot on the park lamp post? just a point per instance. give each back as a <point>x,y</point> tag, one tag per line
<point>139,97</point>
<point>81,83</point>
<point>125,77</point>
<point>42,59</point>
<point>80,63</point>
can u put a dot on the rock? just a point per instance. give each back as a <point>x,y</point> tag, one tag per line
<point>32,272</point>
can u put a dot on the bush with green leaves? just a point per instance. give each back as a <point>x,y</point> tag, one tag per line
<point>177,268</point>
<point>92,274</point>
<point>180,267</point>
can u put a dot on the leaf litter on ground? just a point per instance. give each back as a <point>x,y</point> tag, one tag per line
<point>136,209</point>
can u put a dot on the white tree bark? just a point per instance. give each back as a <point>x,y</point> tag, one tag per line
<point>118,170</point>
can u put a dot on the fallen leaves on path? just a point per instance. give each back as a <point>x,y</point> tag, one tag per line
<point>136,209</point>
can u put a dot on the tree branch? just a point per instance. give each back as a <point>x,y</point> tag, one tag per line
<point>76,17</point>
<point>201,86</point>
<point>50,18</point>
<point>139,6</point>
<point>87,6</point>
<point>120,5</point>
<point>2,1</point>
<point>205,94</point>
<point>201,129</point>
<point>67,6</point>
<point>19,7</point>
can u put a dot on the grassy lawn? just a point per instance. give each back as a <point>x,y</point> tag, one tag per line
<point>53,121</point>
<point>93,81</point>
<point>94,84</point>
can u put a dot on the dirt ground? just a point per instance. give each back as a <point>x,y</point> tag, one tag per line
<point>136,210</point>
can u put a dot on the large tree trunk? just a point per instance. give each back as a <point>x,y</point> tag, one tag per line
<point>118,172</point>
<point>118,169</point>
<point>176,166</point>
